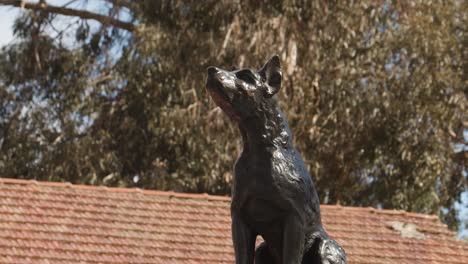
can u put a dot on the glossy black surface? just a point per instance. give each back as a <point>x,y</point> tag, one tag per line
<point>273,194</point>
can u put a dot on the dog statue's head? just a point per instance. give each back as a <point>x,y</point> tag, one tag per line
<point>242,94</point>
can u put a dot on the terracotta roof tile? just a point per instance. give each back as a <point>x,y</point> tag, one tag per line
<point>46,222</point>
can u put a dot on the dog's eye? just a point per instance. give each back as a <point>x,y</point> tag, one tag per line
<point>246,75</point>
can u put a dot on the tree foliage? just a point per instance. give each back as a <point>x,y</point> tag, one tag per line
<point>375,92</point>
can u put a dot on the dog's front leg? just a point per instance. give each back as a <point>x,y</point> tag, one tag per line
<point>293,242</point>
<point>244,240</point>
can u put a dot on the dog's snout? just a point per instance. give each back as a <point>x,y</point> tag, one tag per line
<point>212,70</point>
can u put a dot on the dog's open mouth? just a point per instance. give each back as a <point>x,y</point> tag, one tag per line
<point>218,90</point>
<point>214,87</point>
<point>220,97</point>
<point>220,85</point>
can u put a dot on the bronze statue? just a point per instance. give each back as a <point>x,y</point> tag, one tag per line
<point>273,194</point>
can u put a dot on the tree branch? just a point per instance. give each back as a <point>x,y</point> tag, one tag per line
<point>128,4</point>
<point>70,12</point>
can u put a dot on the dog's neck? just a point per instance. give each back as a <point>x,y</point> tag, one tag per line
<point>267,132</point>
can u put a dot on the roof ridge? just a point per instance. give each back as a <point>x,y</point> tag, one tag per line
<point>203,196</point>
<point>383,211</point>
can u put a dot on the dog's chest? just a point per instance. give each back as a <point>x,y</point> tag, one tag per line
<point>264,182</point>
<point>253,175</point>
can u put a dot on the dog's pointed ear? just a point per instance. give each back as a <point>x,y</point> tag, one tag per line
<point>271,73</point>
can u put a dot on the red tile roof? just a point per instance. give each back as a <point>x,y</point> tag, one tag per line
<point>45,222</point>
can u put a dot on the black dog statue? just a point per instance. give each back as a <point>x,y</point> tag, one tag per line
<point>273,194</point>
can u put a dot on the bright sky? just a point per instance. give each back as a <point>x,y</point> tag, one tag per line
<point>7,17</point>
<point>463,213</point>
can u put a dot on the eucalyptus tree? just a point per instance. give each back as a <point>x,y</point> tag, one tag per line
<point>112,93</point>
